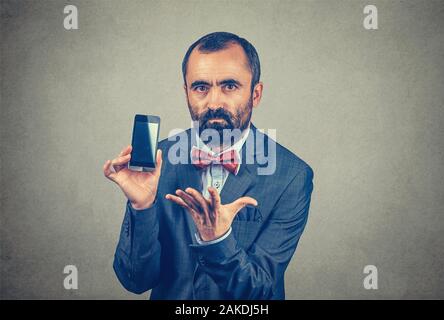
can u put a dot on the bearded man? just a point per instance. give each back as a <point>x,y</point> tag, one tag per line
<point>215,227</point>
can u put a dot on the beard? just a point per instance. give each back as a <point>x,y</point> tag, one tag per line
<point>240,120</point>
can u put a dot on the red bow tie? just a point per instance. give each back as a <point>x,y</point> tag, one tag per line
<point>229,159</point>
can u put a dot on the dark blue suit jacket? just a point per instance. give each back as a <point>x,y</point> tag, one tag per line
<point>157,249</point>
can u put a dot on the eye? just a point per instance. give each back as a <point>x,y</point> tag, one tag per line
<point>200,88</point>
<point>230,87</point>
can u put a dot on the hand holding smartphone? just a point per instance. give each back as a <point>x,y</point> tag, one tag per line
<point>136,169</point>
<point>144,143</point>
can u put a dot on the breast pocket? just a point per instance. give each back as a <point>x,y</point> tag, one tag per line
<point>246,226</point>
<point>249,213</point>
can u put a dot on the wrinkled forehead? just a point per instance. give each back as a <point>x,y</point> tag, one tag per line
<point>229,62</point>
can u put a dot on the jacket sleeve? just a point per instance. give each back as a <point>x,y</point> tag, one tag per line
<point>137,256</point>
<point>254,274</point>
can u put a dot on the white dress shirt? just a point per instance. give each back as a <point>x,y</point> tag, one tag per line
<point>215,174</point>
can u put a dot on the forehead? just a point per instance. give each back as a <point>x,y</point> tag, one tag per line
<point>229,62</point>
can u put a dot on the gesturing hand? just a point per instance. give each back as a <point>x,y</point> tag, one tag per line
<point>212,218</point>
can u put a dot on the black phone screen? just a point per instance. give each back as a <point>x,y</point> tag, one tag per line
<point>144,142</point>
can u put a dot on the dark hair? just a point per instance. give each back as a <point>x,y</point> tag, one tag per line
<point>217,41</point>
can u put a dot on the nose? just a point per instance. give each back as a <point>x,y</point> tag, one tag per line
<point>215,98</point>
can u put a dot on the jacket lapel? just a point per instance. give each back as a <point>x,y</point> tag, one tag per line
<point>188,175</point>
<point>236,185</point>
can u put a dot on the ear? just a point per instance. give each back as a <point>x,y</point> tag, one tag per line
<point>257,94</point>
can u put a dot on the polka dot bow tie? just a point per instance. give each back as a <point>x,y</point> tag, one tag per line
<point>229,159</point>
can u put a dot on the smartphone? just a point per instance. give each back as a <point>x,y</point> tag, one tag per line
<point>144,143</point>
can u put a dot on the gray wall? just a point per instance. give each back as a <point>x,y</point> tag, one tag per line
<point>363,108</point>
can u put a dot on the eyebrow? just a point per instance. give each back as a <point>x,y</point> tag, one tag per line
<point>222,82</point>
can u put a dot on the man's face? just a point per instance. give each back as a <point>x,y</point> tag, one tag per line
<point>218,89</point>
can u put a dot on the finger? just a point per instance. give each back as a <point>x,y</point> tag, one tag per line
<point>240,203</point>
<point>120,161</point>
<point>198,197</point>
<point>158,163</point>
<point>126,150</point>
<point>201,200</point>
<point>215,203</point>
<point>107,170</point>
<point>182,203</point>
<point>189,200</point>
<point>215,198</point>
<point>177,200</point>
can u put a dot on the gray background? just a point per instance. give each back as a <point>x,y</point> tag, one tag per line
<point>363,108</point>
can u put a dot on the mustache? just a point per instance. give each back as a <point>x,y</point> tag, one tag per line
<point>218,113</point>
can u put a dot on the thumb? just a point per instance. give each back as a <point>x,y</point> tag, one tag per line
<point>159,161</point>
<point>240,203</point>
